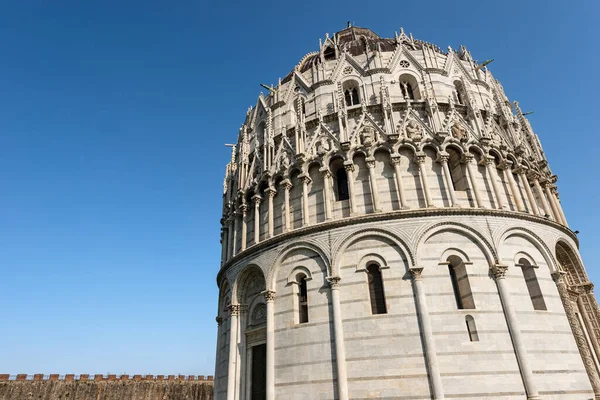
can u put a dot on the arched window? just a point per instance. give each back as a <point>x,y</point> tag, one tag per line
<point>533,286</point>
<point>407,90</point>
<point>302,299</point>
<point>460,92</point>
<point>472,329</point>
<point>457,170</point>
<point>351,96</point>
<point>460,283</point>
<point>376,289</point>
<point>342,184</point>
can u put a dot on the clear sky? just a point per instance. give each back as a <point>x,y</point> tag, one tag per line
<point>113,116</point>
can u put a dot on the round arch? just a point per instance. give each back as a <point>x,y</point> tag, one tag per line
<point>274,268</point>
<point>481,242</point>
<point>569,260</point>
<point>242,280</point>
<point>534,240</point>
<point>342,244</point>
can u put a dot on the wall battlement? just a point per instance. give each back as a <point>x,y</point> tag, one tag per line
<point>103,377</point>
<point>105,387</point>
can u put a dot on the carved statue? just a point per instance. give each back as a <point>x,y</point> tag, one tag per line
<point>458,131</point>
<point>323,146</point>
<point>413,129</point>
<point>367,135</point>
<point>284,159</point>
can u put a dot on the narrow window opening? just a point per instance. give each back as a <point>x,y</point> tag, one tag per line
<point>472,329</point>
<point>457,297</point>
<point>460,283</point>
<point>457,170</point>
<point>376,290</point>
<point>302,300</point>
<point>533,286</point>
<point>355,100</point>
<point>460,95</point>
<point>342,184</point>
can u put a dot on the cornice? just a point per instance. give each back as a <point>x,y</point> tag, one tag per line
<point>392,215</point>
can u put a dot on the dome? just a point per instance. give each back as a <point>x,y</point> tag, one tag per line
<point>391,228</point>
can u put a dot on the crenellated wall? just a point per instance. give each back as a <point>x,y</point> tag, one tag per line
<point>100,387</point>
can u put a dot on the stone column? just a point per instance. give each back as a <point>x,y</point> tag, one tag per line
<point>443,159</point>
<point>236,226</point>
<point>468,160</point>
<point>230,243</point>
<point>305,210</point>
<point>287,185</point>
<point>515,332</point>
<point>327,192</point>
<point>257,200</point>
<point>224,235</point>
<point>420,160</point>
<point>533,208</point>
<point>489,162</point>
<point>582,344</point>
<point>349,167</point>
<point>395,160</point>
<point>554,190</point>
<point>370,161</point>
<point>270,299</point>
<point>217,370</point>
<point>244,210</point>
<point>586,289</point>
<point>234,312</point>
<point>506,166</point>
<point>427,333</point>
<point>538,188</point>
<point>338,331</point>
<point>270,192</point>
<point>551,200</point>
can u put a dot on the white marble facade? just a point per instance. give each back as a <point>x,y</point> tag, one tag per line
<point>392,230</point>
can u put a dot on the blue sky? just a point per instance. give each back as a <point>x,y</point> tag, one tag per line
<point>113,117</point>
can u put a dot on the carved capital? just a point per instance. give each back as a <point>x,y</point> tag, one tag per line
<point>499,271</point>
<point>305,179</point>
<point>326,172</point>
<point>420,158</point>
<point>415,273</point>
<point>243,208</point>
<point>257,199</point>
<point>269,295</point>
<point>558,277</point>
<point>370,161</point>
<point>505,164</point>
<point>487,160</point>
<point>585,287</point>
<point>467,158</point>
<point>271,192</point>
<point>334,282</point>
<point>395,159</point>
<point>349,166</point>
<point>533,176</point>
<point>443,157</point>
<point>235,309</point>
<point>287,185</point>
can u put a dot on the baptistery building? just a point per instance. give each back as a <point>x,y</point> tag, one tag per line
<point>392,229</point>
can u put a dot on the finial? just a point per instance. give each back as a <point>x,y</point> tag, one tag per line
<point>349,24</point>
<point>402,31</point>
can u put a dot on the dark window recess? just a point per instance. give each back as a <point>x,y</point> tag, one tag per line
<point>457,297</point>
<point>460,283</point>
<point>472,329</point>
<point>342,184</point>
<point>302,301</point>
<point>533,286</point>
<point>376,290</point>
<point>329,54</point>
<point>351,96</point>
<point>259,372</point>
